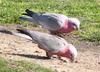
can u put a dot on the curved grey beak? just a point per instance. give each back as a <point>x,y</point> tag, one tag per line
<point>73,60</point>
<point>76,27</point>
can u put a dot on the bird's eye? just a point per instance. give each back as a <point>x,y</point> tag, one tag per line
<point>71,55</point>
<point>74,24</point>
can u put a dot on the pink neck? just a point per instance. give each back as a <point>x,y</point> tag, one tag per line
<point>67,27</point>
<point>64,53</point>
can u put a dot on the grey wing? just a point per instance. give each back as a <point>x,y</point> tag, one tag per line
<point>51,43</point>
<point>50,21</point>
<point>48,42</point>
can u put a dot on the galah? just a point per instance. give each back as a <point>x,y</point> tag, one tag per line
<point>53,45</point>
<point>53,22</point>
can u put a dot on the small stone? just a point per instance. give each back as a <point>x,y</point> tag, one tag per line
<point>64,61</point>
<point>76,61</point>
<point>37,51</point>
<point>98,62</point>
<point>63,71</point>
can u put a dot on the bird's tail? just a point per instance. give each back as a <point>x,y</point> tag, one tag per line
<point>24,31</point>
<point>3,30</point>
<point>26,18</point>
<point>32,16</point>
<point>29,13</point>
<point>33,34</point>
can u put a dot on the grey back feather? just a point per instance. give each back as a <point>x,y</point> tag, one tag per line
<point>46,41</point>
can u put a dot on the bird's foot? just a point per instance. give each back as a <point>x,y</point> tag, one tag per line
<point>49,55</point>
<point>61,59</point>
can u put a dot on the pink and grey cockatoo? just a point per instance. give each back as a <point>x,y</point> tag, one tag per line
<point>55,23</point>
<point>53,45</point>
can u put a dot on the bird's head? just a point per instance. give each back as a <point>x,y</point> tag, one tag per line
<point>75,23</point>
<point>71,53</point>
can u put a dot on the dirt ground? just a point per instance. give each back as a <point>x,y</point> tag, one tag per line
<point>17,48</point>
